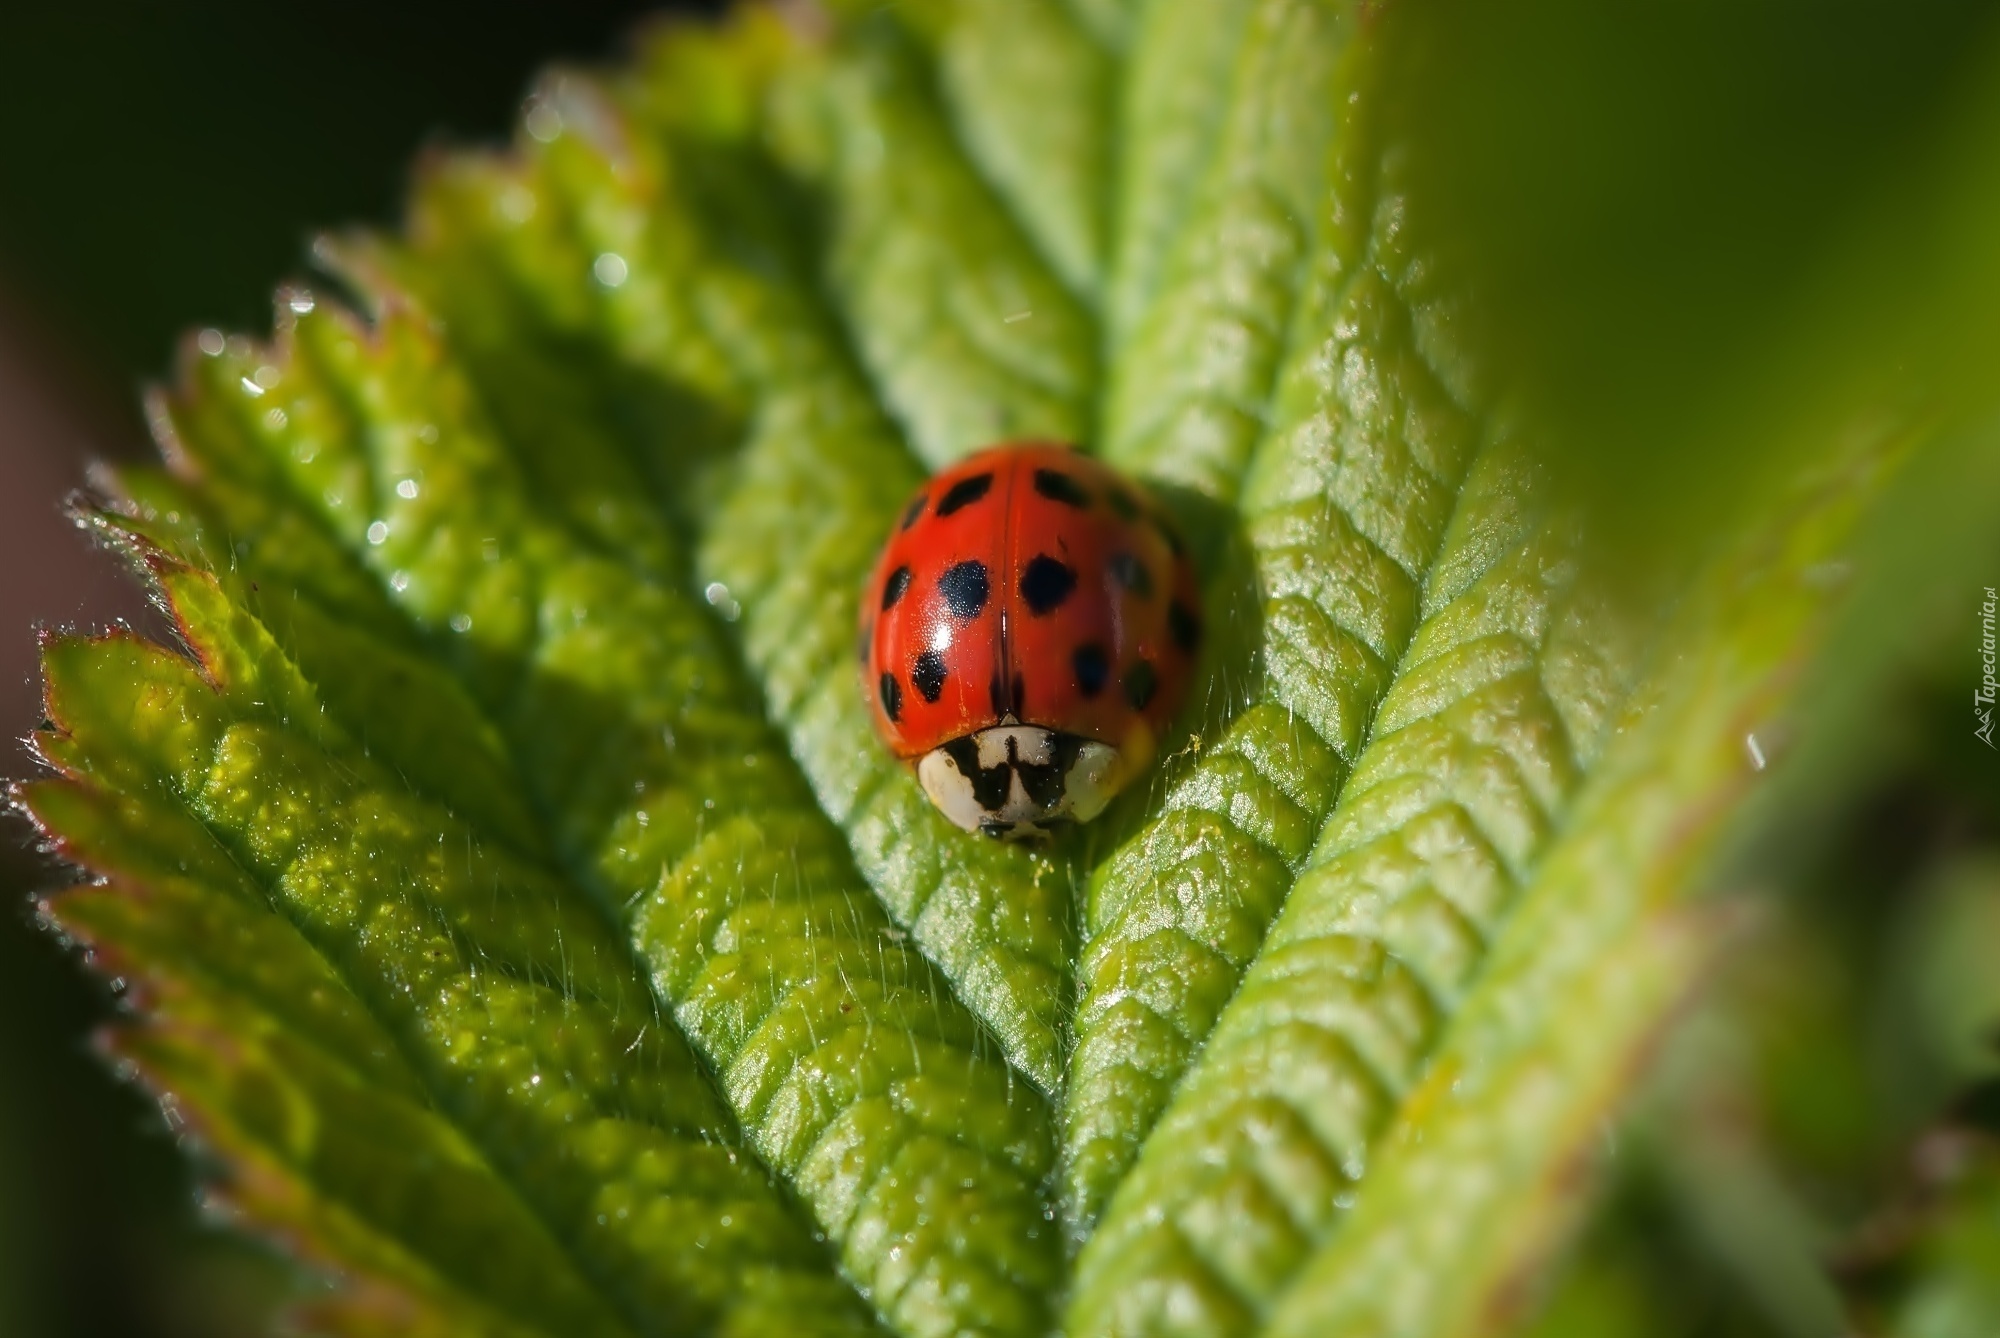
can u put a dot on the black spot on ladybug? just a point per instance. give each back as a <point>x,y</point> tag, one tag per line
<point>1060,487</point>
<point>1169,533</point>
<point>996,695</point>
<point>1139,682</point>
<point>963,494</point>
<point>1092,668</point>
<point>893,588</point>
<point>964,587</point>
<point>1131,573</point>
<point>892,697</point>
<point>1183,626</point>
<point>1046,583</point>
<point>927,675</point>
<point>1122,503</point>
<point>916,509</point>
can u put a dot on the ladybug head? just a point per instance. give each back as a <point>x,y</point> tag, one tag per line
<point>1021,782</point>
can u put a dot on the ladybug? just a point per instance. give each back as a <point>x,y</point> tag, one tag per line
<point>1026,634</point>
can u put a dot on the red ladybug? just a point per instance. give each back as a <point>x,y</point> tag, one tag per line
<point>1028,630</point>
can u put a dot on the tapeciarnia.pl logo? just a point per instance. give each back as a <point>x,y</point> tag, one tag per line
<point>1982,696</point>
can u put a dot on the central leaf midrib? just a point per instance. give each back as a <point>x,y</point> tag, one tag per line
<point>722,633</point>
<point>834,341</point>
<point>1295,335</point>
<point>1112,341</point>
<point>1089,301</point>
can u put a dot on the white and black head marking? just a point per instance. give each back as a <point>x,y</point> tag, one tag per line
<point>1020,782</point>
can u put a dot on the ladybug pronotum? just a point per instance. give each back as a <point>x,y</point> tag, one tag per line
<point>1027,632</point>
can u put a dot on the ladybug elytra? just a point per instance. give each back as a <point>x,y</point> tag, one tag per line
<point>1027,632</point>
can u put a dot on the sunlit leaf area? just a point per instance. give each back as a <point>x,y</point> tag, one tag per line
<point>1568,902</point>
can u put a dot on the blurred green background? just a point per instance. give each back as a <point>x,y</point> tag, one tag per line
<point>161,168</point>
<point>1756,208</point>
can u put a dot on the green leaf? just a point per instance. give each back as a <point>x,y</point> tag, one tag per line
<point>518,906</point>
